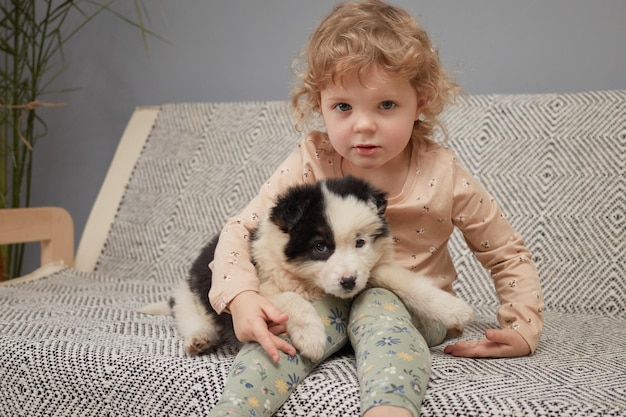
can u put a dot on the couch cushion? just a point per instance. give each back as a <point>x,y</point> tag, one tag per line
<point>73,343</point>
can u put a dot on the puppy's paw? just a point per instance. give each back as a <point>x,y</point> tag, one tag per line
<point>309,337</point>
<point>456,313</point>
<point>434,304</point>
<point>197,344</point>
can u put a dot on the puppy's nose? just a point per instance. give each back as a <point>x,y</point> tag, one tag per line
<point>348,283</point>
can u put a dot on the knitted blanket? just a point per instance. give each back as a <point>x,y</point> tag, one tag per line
<point>74,344</point>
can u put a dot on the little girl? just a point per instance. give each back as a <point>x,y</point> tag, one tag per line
<point>372,74</point>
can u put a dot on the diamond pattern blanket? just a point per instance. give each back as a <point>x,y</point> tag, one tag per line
<point>74,344</point>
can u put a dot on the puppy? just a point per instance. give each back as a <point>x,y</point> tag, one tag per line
<point>328,238</point>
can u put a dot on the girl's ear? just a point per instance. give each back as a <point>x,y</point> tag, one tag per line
<point>421,102</point>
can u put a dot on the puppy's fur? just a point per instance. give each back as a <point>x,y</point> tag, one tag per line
<point>327,238</point>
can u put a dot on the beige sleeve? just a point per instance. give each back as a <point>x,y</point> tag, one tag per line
<point>233,271</point>
<point>502,251</point>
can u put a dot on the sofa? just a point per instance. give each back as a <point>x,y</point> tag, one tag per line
<point>72,342</point>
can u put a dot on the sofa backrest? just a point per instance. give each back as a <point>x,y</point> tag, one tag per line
<point>557,165</point>
<point>555,162</point>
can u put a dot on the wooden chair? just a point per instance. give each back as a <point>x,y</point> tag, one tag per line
<point>52,226</point>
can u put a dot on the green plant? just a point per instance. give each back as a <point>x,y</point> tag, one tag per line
<point>32,36</point>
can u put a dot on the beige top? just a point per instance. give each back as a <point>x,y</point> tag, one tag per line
<point>439,196</point>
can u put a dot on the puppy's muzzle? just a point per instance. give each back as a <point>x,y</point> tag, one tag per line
<point>348,283</point>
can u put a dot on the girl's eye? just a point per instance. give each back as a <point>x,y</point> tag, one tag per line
<point>343,107</point>
<point>387,105</point>
<point>321,247</point>
<point>359,243</point>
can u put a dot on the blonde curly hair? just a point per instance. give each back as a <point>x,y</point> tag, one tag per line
<point>358,35</point>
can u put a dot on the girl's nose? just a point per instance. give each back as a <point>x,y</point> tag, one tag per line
<point>364,123</point>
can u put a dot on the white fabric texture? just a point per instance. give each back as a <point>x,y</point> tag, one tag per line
<point>73,343</point>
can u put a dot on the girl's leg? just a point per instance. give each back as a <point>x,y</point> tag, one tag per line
<point>257,386</point>
<point>393,359</point>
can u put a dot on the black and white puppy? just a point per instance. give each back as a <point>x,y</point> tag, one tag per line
<point>330,237</point>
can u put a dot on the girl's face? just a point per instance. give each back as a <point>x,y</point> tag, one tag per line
<point>369,121</point>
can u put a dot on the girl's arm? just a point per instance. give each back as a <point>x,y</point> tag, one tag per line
<point>233,271</point>
<point>235,284</point>
<point>502,251</point>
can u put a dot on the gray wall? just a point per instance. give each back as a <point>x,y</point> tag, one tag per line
<point>227,50</point>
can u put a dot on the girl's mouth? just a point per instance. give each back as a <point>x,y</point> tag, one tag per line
<point>366,149</point>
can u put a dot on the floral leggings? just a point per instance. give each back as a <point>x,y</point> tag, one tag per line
<point>393,360</point>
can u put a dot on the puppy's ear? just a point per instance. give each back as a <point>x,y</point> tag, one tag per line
<point>291,206</point>
<point>378,201</point>
<point>361,189</point>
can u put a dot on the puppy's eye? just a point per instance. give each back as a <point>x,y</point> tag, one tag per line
<point>320,246</point>
<point>359,243</point>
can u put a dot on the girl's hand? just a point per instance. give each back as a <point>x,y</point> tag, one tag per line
<point>256,319</point>
<point>498,343</point>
